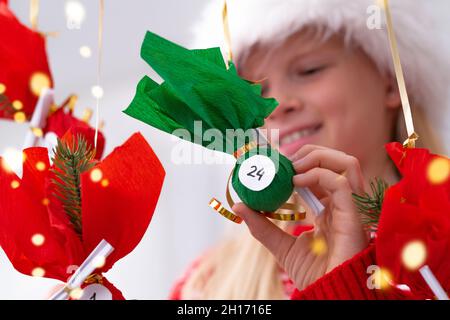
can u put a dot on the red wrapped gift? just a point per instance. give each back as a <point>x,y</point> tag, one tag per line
<point>45,233</point>
<point>416,209</point>
<point>24,69</point>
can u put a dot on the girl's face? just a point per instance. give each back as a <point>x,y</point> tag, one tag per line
<point>328,94</point>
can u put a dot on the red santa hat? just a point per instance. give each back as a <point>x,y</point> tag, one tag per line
<point>418,26</point>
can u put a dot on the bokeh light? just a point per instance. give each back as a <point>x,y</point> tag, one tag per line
<point>319,246</point>
<point>96,175</point>
<point>99,261</point>
<point>13,160</point>
<point>438,170</point>
<point>97,92</point>
<point>414,254</point>
<point>38,272</point>
<point>85,52</point>
<point>37,239</point>
<point>75,14</point>
<point>38,82</point>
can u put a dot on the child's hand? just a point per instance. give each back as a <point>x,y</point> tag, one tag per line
<point>333,176</point>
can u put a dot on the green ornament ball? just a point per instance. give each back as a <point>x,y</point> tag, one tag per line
<point>265,169</point>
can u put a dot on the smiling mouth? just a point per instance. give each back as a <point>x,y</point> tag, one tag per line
<point>296,135</point>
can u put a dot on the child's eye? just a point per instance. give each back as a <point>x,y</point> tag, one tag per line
<point>309,71</point>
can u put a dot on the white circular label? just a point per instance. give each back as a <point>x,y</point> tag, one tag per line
<point>257,172</point>
<point>96,292</point>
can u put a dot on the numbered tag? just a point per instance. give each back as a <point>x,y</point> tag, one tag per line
<point>257,172</point>
<point>96,292</point>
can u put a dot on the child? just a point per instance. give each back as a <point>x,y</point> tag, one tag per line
<point>338,105</point>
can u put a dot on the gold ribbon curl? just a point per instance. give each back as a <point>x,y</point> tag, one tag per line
<point>295,212</point>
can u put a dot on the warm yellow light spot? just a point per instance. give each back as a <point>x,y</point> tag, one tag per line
<point>17,104</point>
<point>38,272</point>
<point>38,82</point>
<point>12,159</point>
<point>438,170</point>
<point>45,201</point>
<point>37,132</point>
<point>15,184</point>
<point>96,175</point>
<point>105,183</point>
<point>40,166</point>
<point>76,293</point>
<point>383,278</point>
<point>85,51</point>
<point>20,117</point>
<point>38,239</point>
<point>414,254</point>
<point>99,261</point>
<point>319,246</point>
<point>2,88</point>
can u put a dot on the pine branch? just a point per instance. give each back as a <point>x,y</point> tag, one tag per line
<point>6,105</point>
<point>70,161</point>
<point>369,205</point>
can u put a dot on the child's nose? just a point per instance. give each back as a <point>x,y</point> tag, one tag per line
<point>285,109</point>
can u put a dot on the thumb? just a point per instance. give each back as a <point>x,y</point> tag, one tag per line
<point>271,236</point>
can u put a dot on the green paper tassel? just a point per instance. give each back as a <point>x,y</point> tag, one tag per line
<point>198,87</point>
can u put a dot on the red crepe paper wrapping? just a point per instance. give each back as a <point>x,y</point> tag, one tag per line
<point>60,122</point>
<point>415,209</point>
<point>22,54</point>
<point>119,213</point>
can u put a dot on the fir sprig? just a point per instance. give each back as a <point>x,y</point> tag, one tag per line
<point>70,160</point>
<point>369,205</point>
<point>6,105</point>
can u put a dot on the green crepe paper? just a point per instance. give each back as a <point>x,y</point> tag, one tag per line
<point>198,87</point>
<point>276,194</point>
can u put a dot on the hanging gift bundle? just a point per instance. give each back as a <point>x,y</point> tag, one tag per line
<point>412,217</point>
<point>200,87</point>
<point>57,214</point>
<point>414,225</point>
<point>24,71</point>
<point>60,119</point>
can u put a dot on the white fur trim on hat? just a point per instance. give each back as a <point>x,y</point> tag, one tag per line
<point>419,27</point>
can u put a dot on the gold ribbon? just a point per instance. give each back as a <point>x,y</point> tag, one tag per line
<point>34,13</point>
<point>94,278</point>
<point>296,212</point>
<point>99,63</point>
<point>412,135</point>
<point>226,30</point>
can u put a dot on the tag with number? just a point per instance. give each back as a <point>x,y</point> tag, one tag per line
<point>96,292</point>
<point>257,172</point>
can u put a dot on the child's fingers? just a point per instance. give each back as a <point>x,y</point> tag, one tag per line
<point>272,237</point>
<point>303,151</point>
<point>335,184</point>
<point>336,161</point>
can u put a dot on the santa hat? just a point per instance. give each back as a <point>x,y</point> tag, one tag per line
<point>420,38</point>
